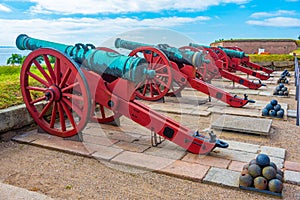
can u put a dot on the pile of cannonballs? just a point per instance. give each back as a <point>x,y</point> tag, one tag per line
<point>281,90</point>
<point>283,77</point>
<point>273,109</point>
<point>262,174</point>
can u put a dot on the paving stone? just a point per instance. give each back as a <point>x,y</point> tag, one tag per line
<point>235,111</point>
<point>236,166</point>
<point>103,152</point>
<point>292,166</point>
<point>230,154</point>
<point>265,93</point>
<point>127,137</point>
<point>223,177</point>
<point>187,170</point>
<point>292,113</point>
<point>273,151</point>
<point>241,146</point>
<point>26,137</point>
<point>63,145</point>
<point>206,160</point>
<point>292,177</point>
<point>131,146</point>
<point>243,124</point>
<point>278,161</point>
<point>99,140</point>
<point>141,160</point>
<point>170,153</point>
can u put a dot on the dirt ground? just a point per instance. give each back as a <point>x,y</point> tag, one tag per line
<point>65,176</point>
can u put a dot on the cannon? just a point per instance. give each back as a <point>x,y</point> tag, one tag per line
<point>69,81</point>
<point>237,60</point>
<point>221,61</point>
<point>171,64</point>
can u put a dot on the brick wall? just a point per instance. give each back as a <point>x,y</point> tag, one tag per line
<point>252,46</point>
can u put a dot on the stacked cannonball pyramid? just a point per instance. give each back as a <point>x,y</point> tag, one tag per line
<point>281,90</point>
<point>283,77</point>
<point>262,174</point>
<point>273,109</point>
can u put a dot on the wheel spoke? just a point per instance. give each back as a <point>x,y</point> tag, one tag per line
<point>151,90</point>
<point>102,111</point>
<point>158,89</point>
<point>57,71</point>
<point>40,68</point>
<point>159,68</point>
<point>61,117</point>
<point>37,100</point>
<point>69,87</point>
<point>35,88</point>
<point>73,106</point>
<point>69,114</point>
<point>162,75</point>
<point>45,109</point>
<point>37,78</point>
<point>160,82</point>
<point>49,67</point>
<point>65,78</point>
<point>53,115</point>
<point>73,96</point>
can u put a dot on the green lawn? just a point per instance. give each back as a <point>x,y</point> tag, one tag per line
<point>271,57</point>
<point>10,93</point>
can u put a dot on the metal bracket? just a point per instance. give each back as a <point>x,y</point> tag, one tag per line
<point>156,139</point>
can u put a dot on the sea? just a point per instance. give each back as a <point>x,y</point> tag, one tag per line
<point>7,51</point>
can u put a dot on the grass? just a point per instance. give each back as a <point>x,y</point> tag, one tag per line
<point>10,92</point>
<point>271,57</point>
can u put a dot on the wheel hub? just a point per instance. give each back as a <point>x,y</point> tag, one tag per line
<point>53,93</point>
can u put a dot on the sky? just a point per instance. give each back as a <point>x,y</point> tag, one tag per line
<point>96,21</point>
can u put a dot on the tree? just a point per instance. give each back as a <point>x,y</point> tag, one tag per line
<point>299,37</point>
<point>15,59</point>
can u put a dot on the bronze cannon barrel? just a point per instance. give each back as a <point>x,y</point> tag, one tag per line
<point>99,61</point>
<point>195,59</point>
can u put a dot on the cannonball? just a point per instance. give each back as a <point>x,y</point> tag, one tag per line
<point>260,183</point>
<point>275,185</point>
<point>263,160</point>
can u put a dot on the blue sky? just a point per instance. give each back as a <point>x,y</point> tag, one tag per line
<point>95,21</point>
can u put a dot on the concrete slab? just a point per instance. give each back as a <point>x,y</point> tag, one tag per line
<point>222,176</point>
<point>10,192</point>
<point>241,124</point>
<point>273,151</point>
<point>292,177</point>
<point>103,152</point>
<point>187,170</point>
<point>143,161</point>
<point>292,113</point>
<point>241,146</point>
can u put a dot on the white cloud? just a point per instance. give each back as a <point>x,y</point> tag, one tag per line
<point>4,8</point>
<point>276,22</point>
<point>272,14</point>
<point>292,0</point>
<point>120,6</point>
<point>85,30</point>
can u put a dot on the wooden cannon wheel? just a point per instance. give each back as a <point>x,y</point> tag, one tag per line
<point>154,88</point>
<point>222,56</point>
<point>56,94</point>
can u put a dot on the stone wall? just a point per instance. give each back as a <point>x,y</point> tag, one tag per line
<point>283,46</point>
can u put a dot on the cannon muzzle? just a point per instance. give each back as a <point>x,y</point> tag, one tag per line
<point>99,61</point>
<point>195,59</point>
<point>229,52</point>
